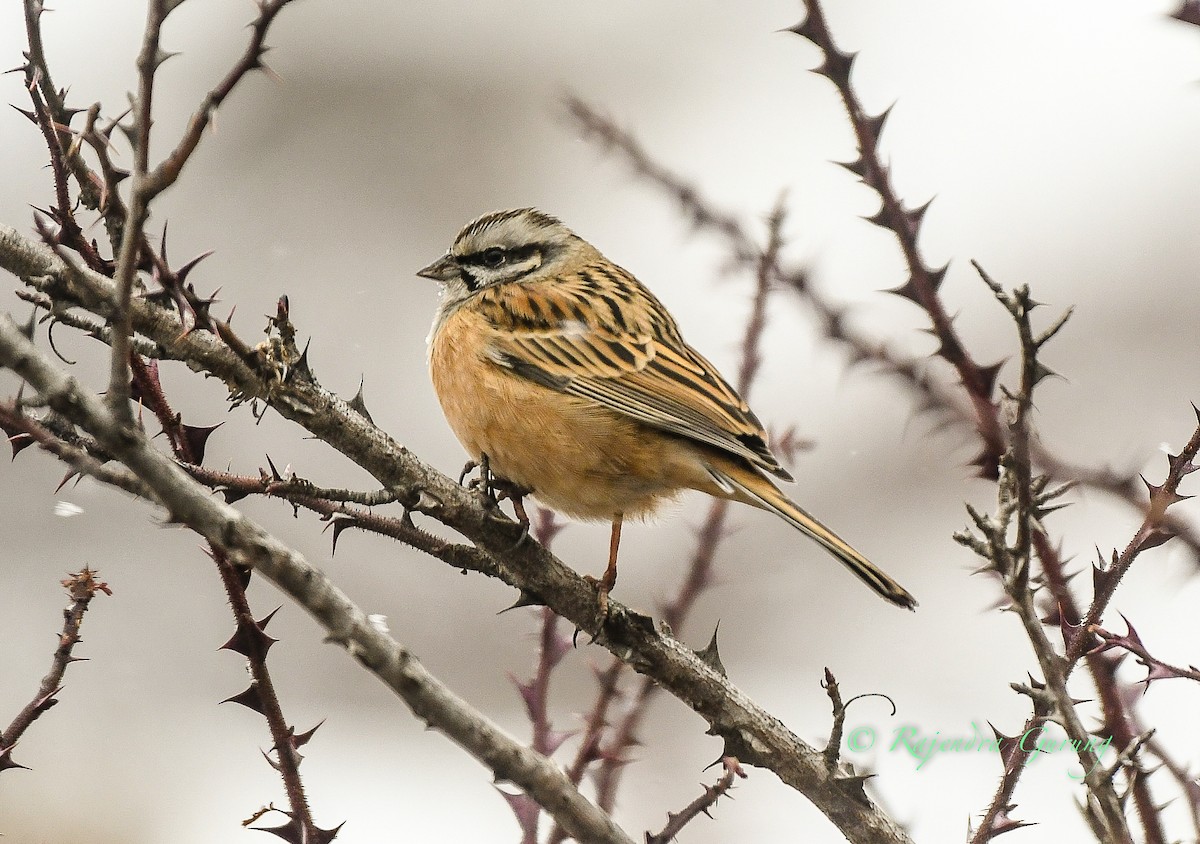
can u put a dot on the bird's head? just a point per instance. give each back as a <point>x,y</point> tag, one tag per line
<point>505,246</point>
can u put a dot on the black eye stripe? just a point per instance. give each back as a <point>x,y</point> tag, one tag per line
<point>514,255</point>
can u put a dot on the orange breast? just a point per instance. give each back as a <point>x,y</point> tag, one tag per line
<point>576,456</point>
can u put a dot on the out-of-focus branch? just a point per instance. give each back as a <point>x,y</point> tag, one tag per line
<point>608,694</point>
<point>931,393</point>
<point>1188,12</point>
<point>81,586</point>
<point>535,692</point>
<point>246,544</point>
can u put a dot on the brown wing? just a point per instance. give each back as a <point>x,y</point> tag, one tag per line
<point>600,335</point>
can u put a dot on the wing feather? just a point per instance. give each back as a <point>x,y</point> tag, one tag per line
<point>602,336</point>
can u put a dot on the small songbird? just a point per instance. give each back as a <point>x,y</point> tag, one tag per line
<point>572,381</point>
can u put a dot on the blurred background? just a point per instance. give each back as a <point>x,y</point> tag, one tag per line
<point>1060,143</point>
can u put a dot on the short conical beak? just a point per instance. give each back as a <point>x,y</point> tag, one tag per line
<point>443,269</point>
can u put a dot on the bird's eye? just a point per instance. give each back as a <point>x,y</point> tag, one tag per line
<point>493,257</point>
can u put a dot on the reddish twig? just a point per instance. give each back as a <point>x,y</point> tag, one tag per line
<point>329,504</point>
<point>608,693</point>
<point>1130,641</point>
<point>924,282</point>
<point>677,821</point>
<point>250,638</point>
<point>1150,534</point>
<point>148,183</point>
<point>83,458</point>
<point>535,692</point>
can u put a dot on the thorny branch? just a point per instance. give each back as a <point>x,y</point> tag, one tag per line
<point>977,382</point>
<point>931,393</point>
<point>1024,500</point>
<point>924,282</point>
<point>676,821</point>
<point>535,692</point>
<point>1130,641</point>
<point>250,638</point>
<point>251,375</point>
<point>247,545</point>
<point>23,431</point>
<point>329,504</point>
<point>81,586</point>
<point>148,183</point>
<point>255,375</point>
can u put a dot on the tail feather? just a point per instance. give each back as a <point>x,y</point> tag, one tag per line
<point>758,491</point>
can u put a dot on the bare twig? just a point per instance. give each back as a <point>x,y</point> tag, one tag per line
<point>342,517</point>
<point>924,282</point>
<point>834,748</point>
<point>1130,641</point>
<point>251,59</point>
<point>1188,12</point>
<point>535,692</point>
<point>88,325</point>
<point>676,821</point>
<point>250,638</point>
<point>15,423</point>
<point>149,58</point>
<point>1023,501</point>
<point>1151,533</point>
<point>608,693</point>
<point>148,183</point>
<point>81,586</point>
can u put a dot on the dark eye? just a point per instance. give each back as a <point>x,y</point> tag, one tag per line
<point>493,257</point>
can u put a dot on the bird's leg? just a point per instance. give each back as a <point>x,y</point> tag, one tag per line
<point>487,480</point>
<point>485,484</point>
<point>493,489</point>
<point>614,542</point>
<point>606,583</point>
<point>518,500</point>
<point>516,494</point>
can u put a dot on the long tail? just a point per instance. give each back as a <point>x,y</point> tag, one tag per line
<point>749,486</point>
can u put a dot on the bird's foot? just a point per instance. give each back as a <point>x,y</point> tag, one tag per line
<point>603,586</point>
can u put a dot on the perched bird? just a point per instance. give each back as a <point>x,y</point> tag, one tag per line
<point>572,381</point>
